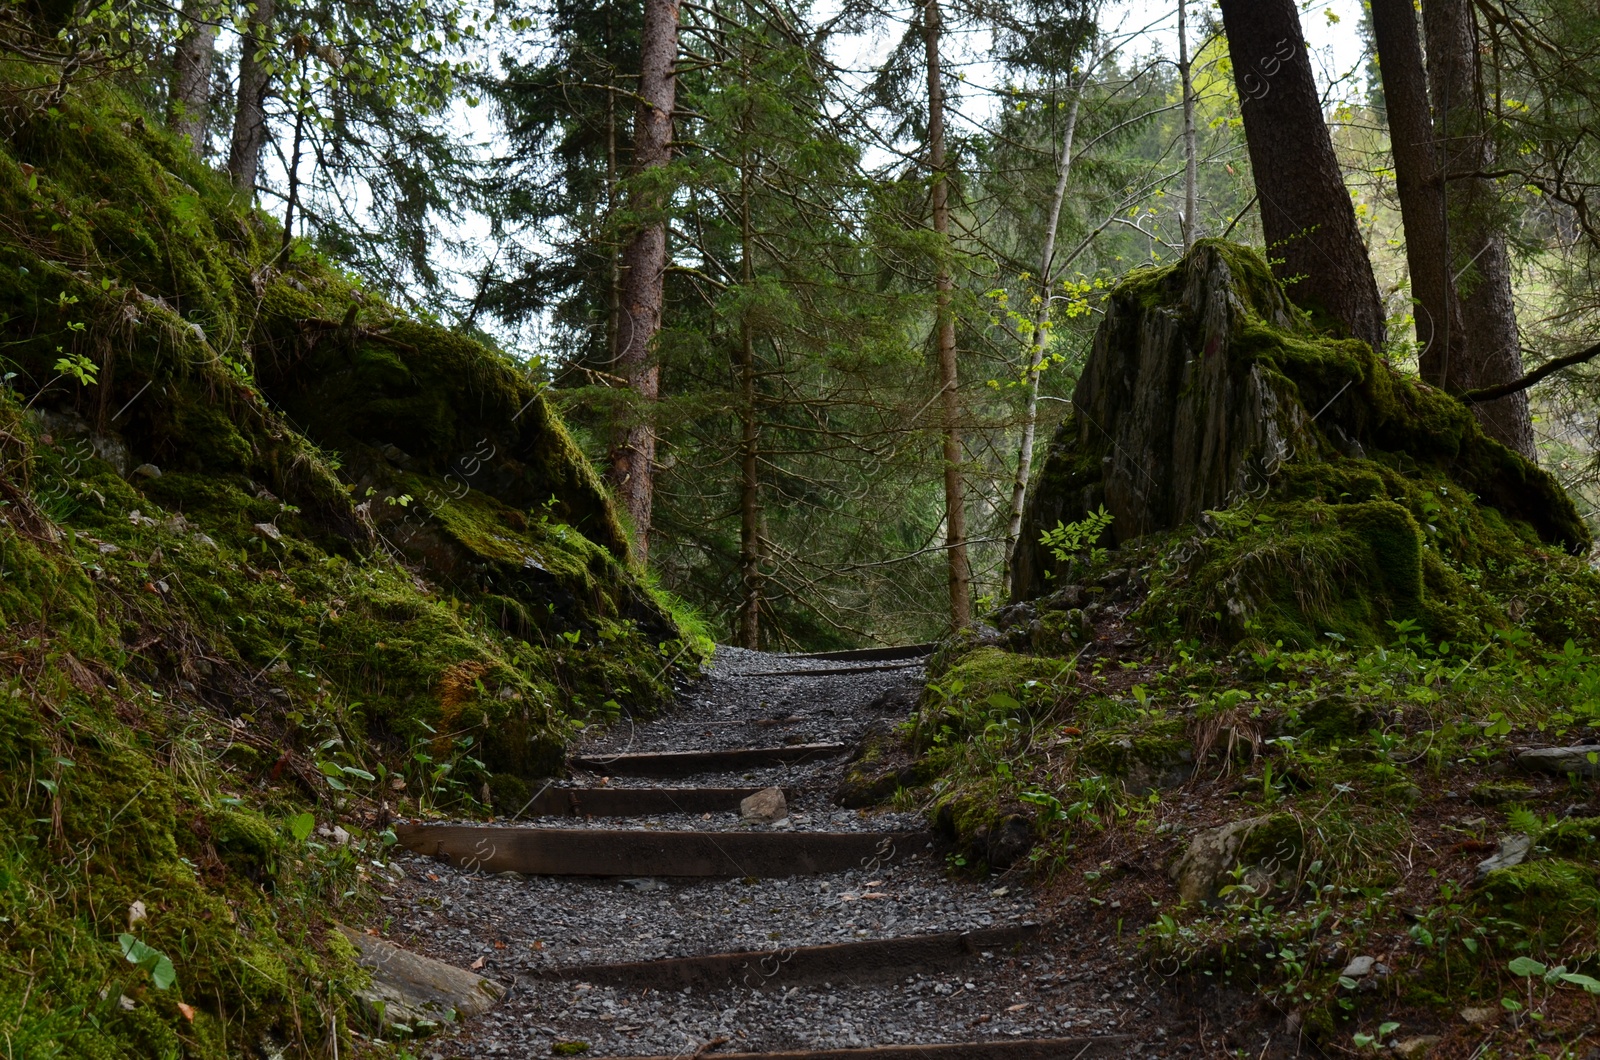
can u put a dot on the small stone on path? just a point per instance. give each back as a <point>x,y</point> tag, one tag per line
<point>1513,851</point>
<point>768,804</point>
<point>408,988</point>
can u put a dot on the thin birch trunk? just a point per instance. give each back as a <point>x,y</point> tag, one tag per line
<point>1041,317</point>
<point>1191,157</point>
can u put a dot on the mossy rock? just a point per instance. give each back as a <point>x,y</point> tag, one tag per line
<point>1336,718</point>
<point>882,764</point>
<point>988,832</point>
<point>967,690</point>
<point>1153,758</point>
<point>1305,488</point>
<point>1577,838</point>
<point>245,840</point>
<point>1502,792</point>
<point>1548,897</point>
<point>243,593</point>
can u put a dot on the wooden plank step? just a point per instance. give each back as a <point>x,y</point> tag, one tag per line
<point>756,969</point>
<point>639,802</point>
<point>608,852</point>
<point>830,671</point>
<point>1011,1049</point>
<point>903,651</point>
<point>688,763</point>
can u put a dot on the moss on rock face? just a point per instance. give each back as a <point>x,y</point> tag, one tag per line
<point>1547,897</point>
<point>281,564</point>
<point>1301,486</point>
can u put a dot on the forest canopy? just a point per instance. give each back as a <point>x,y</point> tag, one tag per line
<point>812,285</point>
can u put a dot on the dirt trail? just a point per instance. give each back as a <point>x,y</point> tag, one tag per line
<point>827,929</point>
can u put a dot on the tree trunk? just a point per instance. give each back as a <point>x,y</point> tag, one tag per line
<point>749,439</point>
<point>250,117</point>
<point>189,91</point>
<point>294,173</point>
<point>644,267</point>
<point>1476,243</point>
<point>1420,182</point>
<point>1041,317</point>
<point>1191,157</point>
<point>955,517</point>
<point>1306,215</point>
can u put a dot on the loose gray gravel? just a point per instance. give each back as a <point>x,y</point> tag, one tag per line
<point>517,925</point>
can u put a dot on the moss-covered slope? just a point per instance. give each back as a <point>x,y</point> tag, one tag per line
<point>273,559</point>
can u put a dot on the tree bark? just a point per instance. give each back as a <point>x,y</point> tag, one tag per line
<point>955,517</point>
<point>749,435</point>
<point>1477,246</point>
<point>250,117</point>
<point>1191,156</point>
<point>1041,317</point>
<point>1306,215</point>
<point>1419,178</point>
<point>644,266</point>
<point>189,90</point>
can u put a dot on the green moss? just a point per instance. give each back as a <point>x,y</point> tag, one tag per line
<point>244,839</point>
<point>1155,755</point>
<point>1501,792</point>
<point>1395,507</point>
<point>205,647</point>
<point>1548,898</point>
<point>1577,838</point>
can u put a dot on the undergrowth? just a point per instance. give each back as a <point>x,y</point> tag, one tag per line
<point>1282,746</point>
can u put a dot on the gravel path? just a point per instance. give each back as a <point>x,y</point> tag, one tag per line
<point>513,927</point>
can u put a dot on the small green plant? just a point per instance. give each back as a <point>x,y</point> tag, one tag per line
<point>78,366</point>
<point>1069,539</point>
<point>1375,1041</point>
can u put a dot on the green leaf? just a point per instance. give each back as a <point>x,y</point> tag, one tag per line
<point>1526,966</point>
<point>162,974</point>
<point>1589,983</point>
<point>1386,1029</point>
<point>300,826</point>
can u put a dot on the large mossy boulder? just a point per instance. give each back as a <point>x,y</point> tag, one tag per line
<point>1294,482</point>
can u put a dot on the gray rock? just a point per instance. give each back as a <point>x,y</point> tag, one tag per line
<point>765,805</point>
<point>1359,967</point>
<point>1208,865</point>
<point>1419,1046</point>
<point>269,531</point>
<point>1573,760</point>
<point>333,834</point>
<point>408,989</point>
<point>1513,851</point>
<point>147,471</point>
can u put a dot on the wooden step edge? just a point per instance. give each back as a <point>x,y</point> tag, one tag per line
<point>655,852</point>
<point>785,967</point>
<point>591,801</point>
<point>902,651</point>
<point>1008,1049</point>
<point>688,763</point>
